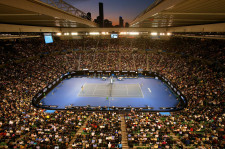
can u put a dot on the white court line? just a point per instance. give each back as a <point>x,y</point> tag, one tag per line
<point>79,93</point>
<point>127,90</point>
<point>103,90</point>
<point>84,84</point>
<point>94,90</point>
<point>149,90</point>
<point>141,90</point>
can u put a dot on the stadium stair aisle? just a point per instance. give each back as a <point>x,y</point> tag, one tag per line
<point>176,138</point>
<point>22,137</point>
<point>79,62</point>
<point>107,59</point>
<point>134,62</point>
<point>92,61</point>
<point>79,131</point>
<point>120,61</point>
<point>147,62</point>
<point>124,132</point>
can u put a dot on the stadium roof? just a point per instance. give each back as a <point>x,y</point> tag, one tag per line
<point>174,13</point>
<point>37,13</point>
<point>161,16</point>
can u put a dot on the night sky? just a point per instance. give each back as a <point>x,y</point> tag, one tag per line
<point>128,9</point>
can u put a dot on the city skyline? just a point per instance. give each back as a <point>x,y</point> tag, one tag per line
<point>128,9</point>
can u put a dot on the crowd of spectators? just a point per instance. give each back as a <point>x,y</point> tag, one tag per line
<point>113,61</point>
<point>200,124</point>
<point>207,49</point>
<point>101,130</point>
<point>86,60</point>
<point>127,62</point>
<point>17,49</point>
<point>145,129</point>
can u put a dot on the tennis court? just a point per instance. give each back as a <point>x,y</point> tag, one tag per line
<point>131,92</point>
<point>111,90</point>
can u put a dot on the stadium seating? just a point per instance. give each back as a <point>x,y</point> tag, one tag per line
<point>195,66</point>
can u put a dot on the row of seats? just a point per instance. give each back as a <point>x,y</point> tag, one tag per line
<point>201,124</point>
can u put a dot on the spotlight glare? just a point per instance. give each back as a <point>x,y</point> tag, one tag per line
<point>123,33</point>
<point>154,33</point>
<point>94,33</point>
<point>74,33</point>
<point>58,34</point>
<point>105,33</point>
<point>133,33</point>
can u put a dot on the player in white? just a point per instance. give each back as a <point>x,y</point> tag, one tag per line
<point>82,88</point>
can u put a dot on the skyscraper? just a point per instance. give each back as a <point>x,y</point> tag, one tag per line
<point>107,23</point>
<point>120,21</point>
<point>127,24</point>
<point>101,15</point>
<point>89,16</point>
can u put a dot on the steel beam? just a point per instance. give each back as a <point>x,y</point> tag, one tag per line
<point>192,13</point>
<point>39,7</point>
<point>24,28</point>
<point>202,37</point>
<point>113,29</point>
<point>219,27</point>
<point>155,10</point>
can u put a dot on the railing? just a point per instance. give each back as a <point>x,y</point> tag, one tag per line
<point>67,8</point>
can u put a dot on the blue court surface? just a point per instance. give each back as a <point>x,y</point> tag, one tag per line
<point>50,111</point>
<point>133,92</point>
<point>165,113</point>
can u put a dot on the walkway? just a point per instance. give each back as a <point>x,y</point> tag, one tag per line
<point>124,133</point>
<point>79,131</point>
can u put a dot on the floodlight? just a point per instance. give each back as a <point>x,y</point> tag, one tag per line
<point>58,34</point>
<point>105,33</point>
<point>154,33</point>
<point>74,33</point>
<point>123,33</point>
<point>133,33</point>
<point>94,33</point>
